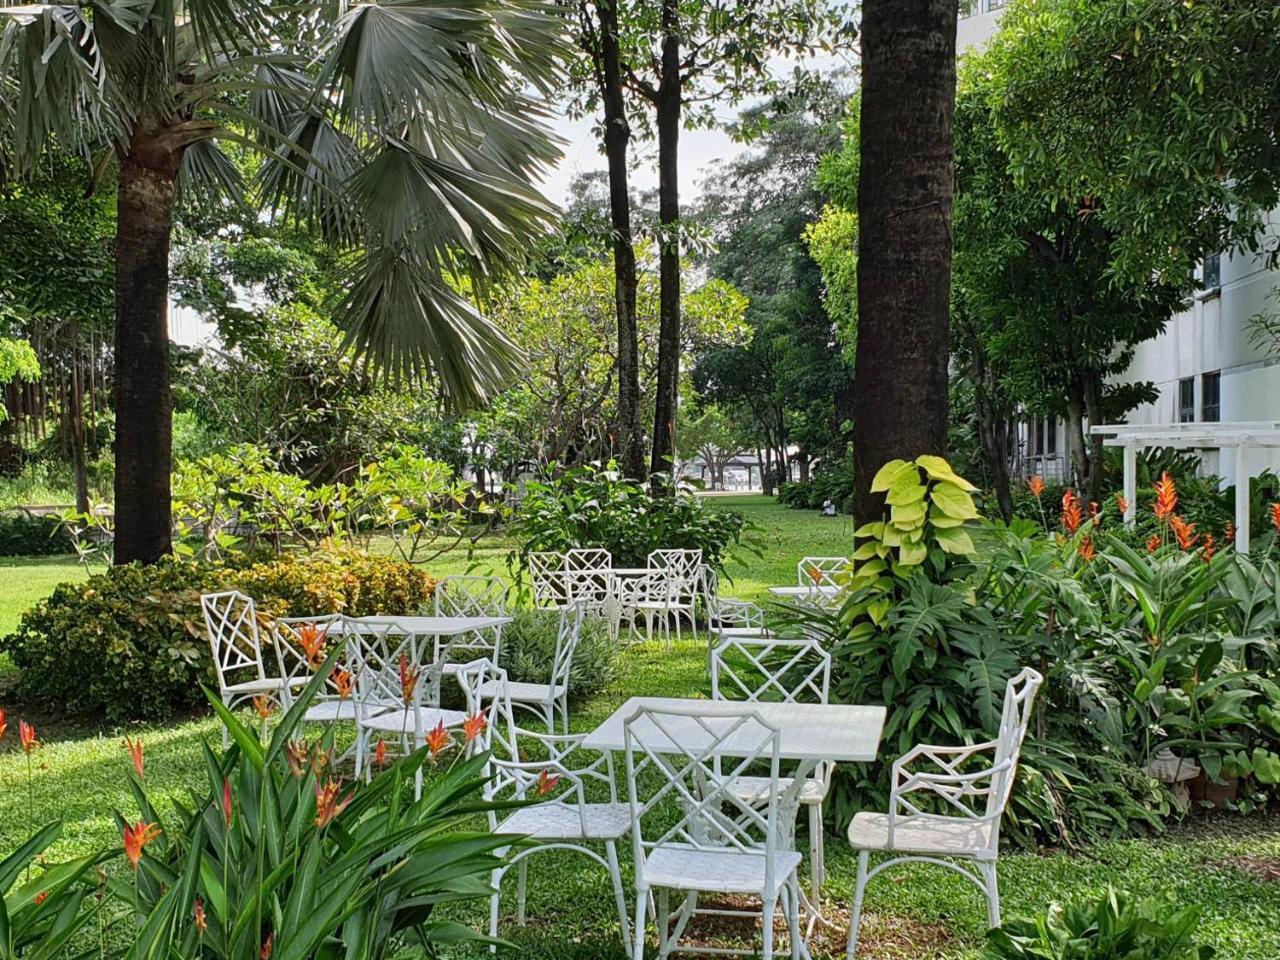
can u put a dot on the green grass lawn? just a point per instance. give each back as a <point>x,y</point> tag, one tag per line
<point>79,777</point>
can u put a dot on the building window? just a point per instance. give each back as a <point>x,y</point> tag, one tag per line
<point>1211,397</point>
<point>1187,400</point>
<point>1044,437</point>
<point>1211,272</point>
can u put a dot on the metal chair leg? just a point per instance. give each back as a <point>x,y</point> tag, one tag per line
<point>855,915</point>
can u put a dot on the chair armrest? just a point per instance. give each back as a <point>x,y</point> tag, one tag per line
<point>958,790</point>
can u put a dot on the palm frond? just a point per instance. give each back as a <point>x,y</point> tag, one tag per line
<point>207,172</point>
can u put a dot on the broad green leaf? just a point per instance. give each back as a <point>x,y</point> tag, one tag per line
<point>888,474</point>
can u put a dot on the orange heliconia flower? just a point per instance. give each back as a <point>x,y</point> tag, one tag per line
<point>1036,484</point>
<point>1185,532</point>
<point>1166,496</point>
<point>1122,504</point>
<point>298,753</point>
<point>136,837</point>
<point>1086,549</point>
<point>202,922</point>
<point>311,638</point>
<point>1275,516</point>
<point>408,678</point>
<point>380,754</point>
<point>327,803</point>
<point>1072,516</point>
<point>135,755</point>
<point>344,682</point>
<point>1153,543</point>
<point>546,783</point>
<point>267,946</point>
<point>262,704</point>
<point>27,737</point>
<point>4,725</point>
<point>815,575</point>
<point>1095,512</point>
<point>40,897</point>
<point>439,740</point>
<point>474,725</point>
<point>319,761</point>
<point>1207,548</point>
<point>226,801</point>
<point>1229,533</point>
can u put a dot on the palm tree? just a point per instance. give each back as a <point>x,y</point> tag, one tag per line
<point>408,131</point>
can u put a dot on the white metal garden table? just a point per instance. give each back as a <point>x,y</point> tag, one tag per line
<point>416,628</point>
<point>809,734</point>
<point>824,594</point>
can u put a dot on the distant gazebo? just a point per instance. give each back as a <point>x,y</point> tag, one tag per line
<point>1240,437</point>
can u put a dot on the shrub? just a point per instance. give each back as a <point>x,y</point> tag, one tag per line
<point>1113,928</point>
<point>129,643</point>
<point>529,648</point>
<point>596,507</point>
<point>25,535</point>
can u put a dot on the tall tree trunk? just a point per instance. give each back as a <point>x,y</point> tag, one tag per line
<point>904,248</point>
<point>668,121</point>
<point>73,404</point>
<point>617,135</point>
<point>1077,452</point>
<point>144,426</point>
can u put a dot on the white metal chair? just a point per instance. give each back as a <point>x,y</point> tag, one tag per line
<point>670,591</point>
<point>929,778</point>
<point>566,819</point>
<point>784,671</point>
<point>728,615</point>
<point>469,596</point>
<point>550,700</point>
<point>719,843</point>
<point>302,645</point>
<point>231,627</point>
<point>820,571</point>
<point>590,581</point>
<point>548,574</point>
<point>385,658</point>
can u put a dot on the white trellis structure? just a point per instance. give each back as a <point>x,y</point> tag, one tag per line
<point>1239,437</point>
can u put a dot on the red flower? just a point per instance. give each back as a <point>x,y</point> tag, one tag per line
<point>262,704</point>
<point>1072,516</point>
<point>474,725</point>
<point>1153,543</point>
<point>265,954</point>
<point>546,783</point>
<point>408,678</point>
<point>439,740</point>
<point>311,638</point>
<point>1166,496</point>
<point>3,723</point>
<point>1207,548</point>
<point>135,755</point>
<point>1229,533</point>
<point>344,683</point>
<point>327,804</point>
<point>41,897</point>
<point>380,754</point>
<point>1275,516</point>
<point>202,922</point>
<point>27,737</point>
<point>226,801</point>
<point>1036,484</point>
<point>1086,549</point>
<point>1185,532</point>
<point>1122,504</point>
<point>136,837</point>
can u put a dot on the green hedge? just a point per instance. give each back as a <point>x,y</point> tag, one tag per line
<point>529,650</point>
<point>24,535</point>
<point>130,644</point>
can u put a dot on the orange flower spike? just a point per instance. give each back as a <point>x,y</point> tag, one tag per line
<point>815,575</point>
<point>408,678</point>
<point>311,638</point>
<point>474,725</point>
<point>1036,485</point>
<point>1087,550</point>
<point>297,752</point>
<point>380,754</point>
<point>226,801</point>
<point>202,922</point>
<point>267,946</point>
<point>546,783</point>
<point>438,740</point>
<point>1072,516</point>
<point>27,737</point>
<point>1166,496</point>
<point>135,755</point>
<point>1207,547</point>
<point>1095,512</point>
<point>1153,543</point>
<point>135,838</point>
<point>1275,516</point>
<point>262,705</point>
<point>344,683</point>
<point>1229,533</point>
<point>1122,504</point>
<point>41,897</point>
<point>1185,532</point>
<point>4,725</point>
<point>327,804</point>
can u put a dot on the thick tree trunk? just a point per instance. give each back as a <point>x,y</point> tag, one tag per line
<point>143,448</point>
<point>668,121</point>
<point>1077,454</point>
<point>1094,444</point>
<point>904,248</point>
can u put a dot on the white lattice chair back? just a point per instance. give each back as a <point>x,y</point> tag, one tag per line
<point>781,670</point>
<point>471,596</point>
<point>568,633</point>
<point>680,757</point>
<point>549,575</point>
<point>954,779</point>
<point>681,571</point>
<point>589,575</point>
<point>302,646</point>
<point>379,651</point>
<point>231,625</point>
<point>820,571</point>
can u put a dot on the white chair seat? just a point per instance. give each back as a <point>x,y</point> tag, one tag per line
<point>330,711</point>
<point>561,821</point>
<point>267,685</point>
<point>682,867</point>
<point>401,721</point>
<point>741,632</point>
<point>943,836</point>
<point>756,789</point>
<point>524,692</point>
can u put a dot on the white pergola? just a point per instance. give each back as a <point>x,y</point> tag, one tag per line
<point>1239,437</point>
